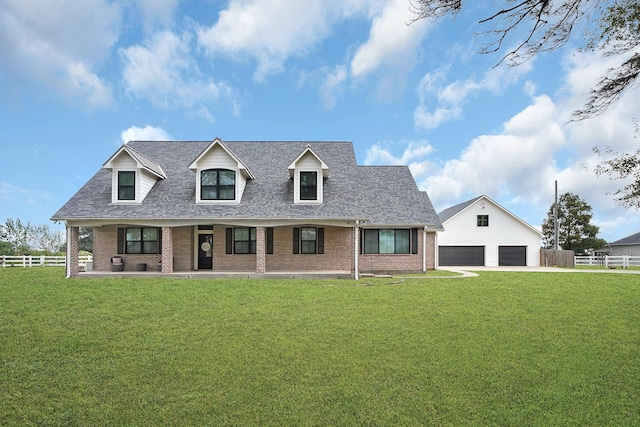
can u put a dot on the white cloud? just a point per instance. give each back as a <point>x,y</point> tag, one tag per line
<point>428,120</point>
<point>519,161</point>
<point>269,32</point>
<point>332,86</point>
<point>147,133</point>
<point>57,44</point>
<point>154,13</point>
<point>392,43</point>
<point>164,72</point>
<point>415,154</point>
<point>450,98</point>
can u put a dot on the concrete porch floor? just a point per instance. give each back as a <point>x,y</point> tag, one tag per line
<point>218,275</point>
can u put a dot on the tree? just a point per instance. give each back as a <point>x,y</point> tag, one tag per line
<point>575,231</point>
<point>23,239</point>
<point>6,248</point>
<point>623,166</point>
<point>547,25</point>
<point>17,235</point>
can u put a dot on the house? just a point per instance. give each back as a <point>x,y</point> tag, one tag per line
<point>480,232</point>
<point>629,245</point>
<point>257,208</point>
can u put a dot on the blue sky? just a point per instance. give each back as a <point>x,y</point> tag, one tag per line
<point>79,78</point>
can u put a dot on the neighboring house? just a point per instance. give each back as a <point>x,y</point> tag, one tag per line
<point>629,245</point>
<point>252,207</point>
<point>480,232</point>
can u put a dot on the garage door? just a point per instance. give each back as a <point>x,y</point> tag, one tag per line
<point>512,255</point>
<point>461,255</point>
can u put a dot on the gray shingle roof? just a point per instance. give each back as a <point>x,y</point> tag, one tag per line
<point>454,210</point>
<point>634,239</point>
<point>382,195</point>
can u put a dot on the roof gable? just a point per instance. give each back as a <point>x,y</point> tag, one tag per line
<point>454,211</point>
<point>217,143</point>
<point>308,151</point>
<point>141,160</point>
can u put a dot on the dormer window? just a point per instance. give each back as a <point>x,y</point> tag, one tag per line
<point>126,185</point>
<point>220,176</point>
<point>217,184</point>
<point>309,173</point>
<point>133,175</point>
<point>308,185</point>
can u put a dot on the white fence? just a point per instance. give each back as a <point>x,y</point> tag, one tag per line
<point>624,261</point>
<point>40,261</point>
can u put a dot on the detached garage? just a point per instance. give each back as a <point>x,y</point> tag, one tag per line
<point>480,232</point>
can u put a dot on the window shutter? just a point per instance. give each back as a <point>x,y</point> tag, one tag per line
<point>159,240</point>
<point>361,241</point>
<point>296,240</point>
<point>229,242</point>
<point>269,240</point>
<point>414,240</point>
<point>320,237</point>
<point>120,249</point>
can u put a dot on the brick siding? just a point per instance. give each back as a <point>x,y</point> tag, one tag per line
<point>338,253</point>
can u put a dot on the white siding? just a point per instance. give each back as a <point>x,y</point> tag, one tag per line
<point>308,163</point>
<point>123,162</point>
<point>618,250</point>
<point>218,158</point>
<point>503,230</point>
<point>144,183</point>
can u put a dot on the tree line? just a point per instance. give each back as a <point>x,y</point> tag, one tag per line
<point>19,238</point>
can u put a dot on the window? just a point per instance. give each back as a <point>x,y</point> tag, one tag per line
<point>217,184</point>
<point>388,241</point>
<point>308,240</point>
<point>126,185</point>
<point>483,220</point>
<point>308,185</point>
<point>135,240</point>
<point>244,240</point>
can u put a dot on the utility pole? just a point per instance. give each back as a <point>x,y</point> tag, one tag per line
<point>555,220</point>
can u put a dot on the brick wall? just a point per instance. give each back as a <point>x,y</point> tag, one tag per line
<point>390,263</point>
<point>105,246</point>
<point>338,256</point>
<point>338,252</point>
<point>183,248</point>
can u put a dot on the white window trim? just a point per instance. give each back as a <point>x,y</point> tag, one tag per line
<point>200,201</point>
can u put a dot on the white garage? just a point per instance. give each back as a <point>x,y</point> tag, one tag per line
<point>480,232</point>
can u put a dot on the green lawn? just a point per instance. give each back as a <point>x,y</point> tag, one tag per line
<point>512,349</point>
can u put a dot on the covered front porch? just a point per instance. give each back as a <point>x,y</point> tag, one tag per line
<point>211,250</point>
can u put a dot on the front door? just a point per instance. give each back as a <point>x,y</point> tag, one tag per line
<point>205,251</point>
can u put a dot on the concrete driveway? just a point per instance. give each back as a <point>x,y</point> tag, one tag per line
<point>543,270</point>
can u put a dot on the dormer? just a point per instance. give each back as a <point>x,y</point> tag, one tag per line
<point>308,172</point>
<point>221,176</point>
<point>132,175</point>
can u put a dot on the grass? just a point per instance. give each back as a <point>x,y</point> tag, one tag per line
<point>499,349</point>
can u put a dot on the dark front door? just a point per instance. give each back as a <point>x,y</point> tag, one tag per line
<point>205,251</point>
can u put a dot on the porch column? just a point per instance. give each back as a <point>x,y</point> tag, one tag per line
<point>356,251</point>
<point>261,266</point>
<point>167,250</point>
<point>72,264</point>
